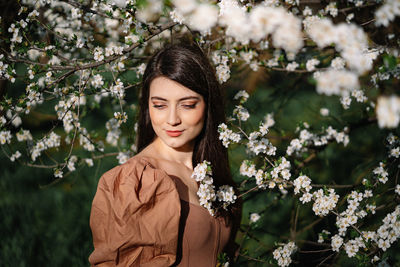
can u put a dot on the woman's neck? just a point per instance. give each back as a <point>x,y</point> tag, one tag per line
<point>180,155</point>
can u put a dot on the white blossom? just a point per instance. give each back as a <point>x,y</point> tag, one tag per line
<point>203,18</point>
<point>247,168</point>
<point>123,157</point>
<point>381,173</point>
<point>241,113</point>
<point>97,81</point>
<point>132,39</point>
<point>254,217</point>
<point>292,66</point>
<point>324,112</point>
<point>71,163</point>
<point>226,195</point>
<point>185,6</point>
<point>223,73</point>
<point>58,173</point>
<point>388,111</point>
<point>98,54</point>
<point>176,16</point>
<point>118,90</point>
<point>311,63</point>
<point>89,162</point>
<point>114,132</point>
<point>345,101</point>
<point>332,9</point>
<point>242,95</point>
<point>336,242</point>
<point>141,68</point>
<point>395,152</point>
<point>5,137</point>
<point>15,156</point>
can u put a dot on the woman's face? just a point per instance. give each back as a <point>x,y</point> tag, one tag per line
<point>176,112</point>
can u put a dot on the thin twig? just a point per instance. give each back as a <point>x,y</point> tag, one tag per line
<point>253,259</point>
<point>315,251</point>
<point>293,233</point>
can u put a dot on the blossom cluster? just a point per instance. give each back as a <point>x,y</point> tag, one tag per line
<point>244,26</point>
<point>393,146</point>
<point>227,136</point>
<point>52,140</point>
<point>354,50</point>
<point>221,62</point>
<point>324,202</point>
<point>381,173</point>
<point>387,12</point>
<point>225,195</point>
<point>383,237</point>
<point>306,139</point>
<point>241,113</point>
<point>242,95</point>
<point>302,182</point>
<point>353,212</point>
<point>118,89</point>
<point>258,143</point>
<point>12,118</point>
<point>283,253</point>
<point>359,205</point>
<point>278,175</point>
<point>86,142</point>
<point>114,131</point>
<point>199,16</point>
<point>65,113</point>
<point>357,94</point>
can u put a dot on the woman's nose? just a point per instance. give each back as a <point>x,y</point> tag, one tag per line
<point>173,117</point>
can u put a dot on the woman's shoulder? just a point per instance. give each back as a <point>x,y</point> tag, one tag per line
<point>138,171</point>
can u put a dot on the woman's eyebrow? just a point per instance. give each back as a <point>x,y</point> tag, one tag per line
<point>181,99</point>
<point>158,98</point>
<point>190,97</point>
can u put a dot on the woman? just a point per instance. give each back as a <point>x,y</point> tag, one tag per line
<point>146,212</point>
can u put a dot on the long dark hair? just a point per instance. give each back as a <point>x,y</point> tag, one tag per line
<point>189,66</point>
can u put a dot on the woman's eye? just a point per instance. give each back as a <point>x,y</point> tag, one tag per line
<point>189,106</point>
<point>158,106</point>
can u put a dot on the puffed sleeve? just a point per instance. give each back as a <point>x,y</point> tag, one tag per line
<point>135,217</point>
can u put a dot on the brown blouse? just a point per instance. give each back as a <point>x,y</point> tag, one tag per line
<point>138,219</point>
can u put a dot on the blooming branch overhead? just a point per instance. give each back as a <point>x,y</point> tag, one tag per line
<point>65,64</point>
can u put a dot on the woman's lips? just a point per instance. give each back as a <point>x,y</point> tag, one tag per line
<point>174,133</point>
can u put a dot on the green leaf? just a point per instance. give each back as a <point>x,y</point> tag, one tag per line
<point>389,61</point>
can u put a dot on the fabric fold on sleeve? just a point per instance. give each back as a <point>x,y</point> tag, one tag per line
<point>135,217</point>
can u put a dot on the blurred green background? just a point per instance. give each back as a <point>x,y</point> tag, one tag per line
<point>46,223</point>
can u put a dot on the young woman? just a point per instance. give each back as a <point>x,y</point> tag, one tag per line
<point>146,212</point>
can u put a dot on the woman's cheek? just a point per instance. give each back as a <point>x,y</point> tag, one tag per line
<point>194,117</point>
<point>155,116</point>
